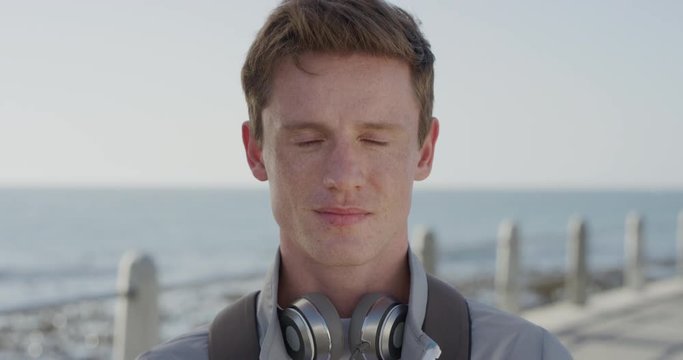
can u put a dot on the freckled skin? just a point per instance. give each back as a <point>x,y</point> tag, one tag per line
<point>340,152</point>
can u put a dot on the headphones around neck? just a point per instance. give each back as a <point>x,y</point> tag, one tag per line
<point>312,329</point>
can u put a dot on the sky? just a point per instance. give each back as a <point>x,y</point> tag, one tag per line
<point>530,94</point>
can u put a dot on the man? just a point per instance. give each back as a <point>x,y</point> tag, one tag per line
<point>340,98</point>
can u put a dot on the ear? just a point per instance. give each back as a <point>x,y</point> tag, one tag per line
<point>424,166</point>
<point>254,153</point>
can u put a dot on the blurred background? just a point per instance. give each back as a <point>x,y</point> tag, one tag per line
<point>120,129</point>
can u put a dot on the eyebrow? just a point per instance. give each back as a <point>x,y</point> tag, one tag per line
<point>303,125</point>
<point>379,126</point>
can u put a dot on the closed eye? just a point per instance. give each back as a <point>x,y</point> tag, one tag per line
<point>376,142</point>
<point>309,143</point>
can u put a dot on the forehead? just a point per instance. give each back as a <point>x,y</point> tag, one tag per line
<point>351,85</point>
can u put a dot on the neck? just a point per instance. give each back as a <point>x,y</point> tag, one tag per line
<point>344,285</point>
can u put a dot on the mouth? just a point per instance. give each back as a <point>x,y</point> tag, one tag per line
<point>336,216</point>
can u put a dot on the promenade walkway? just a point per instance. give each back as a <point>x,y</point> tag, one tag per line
<point>621,324</point>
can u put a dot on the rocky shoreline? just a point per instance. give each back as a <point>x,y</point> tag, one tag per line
<point>84,330</point>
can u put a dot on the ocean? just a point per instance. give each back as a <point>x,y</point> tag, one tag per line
<point>61,243</point>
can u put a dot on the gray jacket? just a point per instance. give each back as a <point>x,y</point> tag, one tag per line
<point>495,334</point>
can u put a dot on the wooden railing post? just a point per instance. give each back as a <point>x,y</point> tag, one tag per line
<point>634,276</point>
<point>679,260</point>
<point>136,322</point>
<point>507,268</point>
<point>424,246</point>
<point>577,271</point>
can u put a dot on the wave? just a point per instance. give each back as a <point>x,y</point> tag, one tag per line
<point>70,272</point>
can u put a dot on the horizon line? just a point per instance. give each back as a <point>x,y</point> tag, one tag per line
<point>418,187</point>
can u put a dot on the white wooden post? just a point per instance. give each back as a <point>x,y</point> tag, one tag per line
<point>136,322</point>
<point>634,276</point>
<point>424,246</point>
<point>679,261</point>
<point>507,267</point>
<point>577,271</point>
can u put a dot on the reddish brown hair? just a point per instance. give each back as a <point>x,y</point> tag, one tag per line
<point>367,26</point>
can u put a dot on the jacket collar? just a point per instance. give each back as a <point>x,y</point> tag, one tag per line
<point>416,344</point>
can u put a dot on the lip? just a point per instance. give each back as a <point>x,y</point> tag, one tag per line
<point>342,216</point>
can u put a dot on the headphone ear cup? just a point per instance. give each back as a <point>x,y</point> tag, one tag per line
<point>376,328</point>
<point>311,328</point>
<point>357,322</point>
<point>334,326</point>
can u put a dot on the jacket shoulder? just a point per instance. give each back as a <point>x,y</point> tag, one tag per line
<point>193,345</point>
<point>500,335</point>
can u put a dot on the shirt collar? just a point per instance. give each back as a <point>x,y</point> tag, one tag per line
<point>416,344</point>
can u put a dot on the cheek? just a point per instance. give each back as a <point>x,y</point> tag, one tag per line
<point>289,178</point>
<point>290,169</point>
<point>393,179</point>
<point>399,166</point>
<point>397,176</point>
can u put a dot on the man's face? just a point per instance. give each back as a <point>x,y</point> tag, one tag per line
<point>340,152</point>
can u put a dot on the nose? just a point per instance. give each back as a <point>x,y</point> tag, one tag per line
<point>343,168</point>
